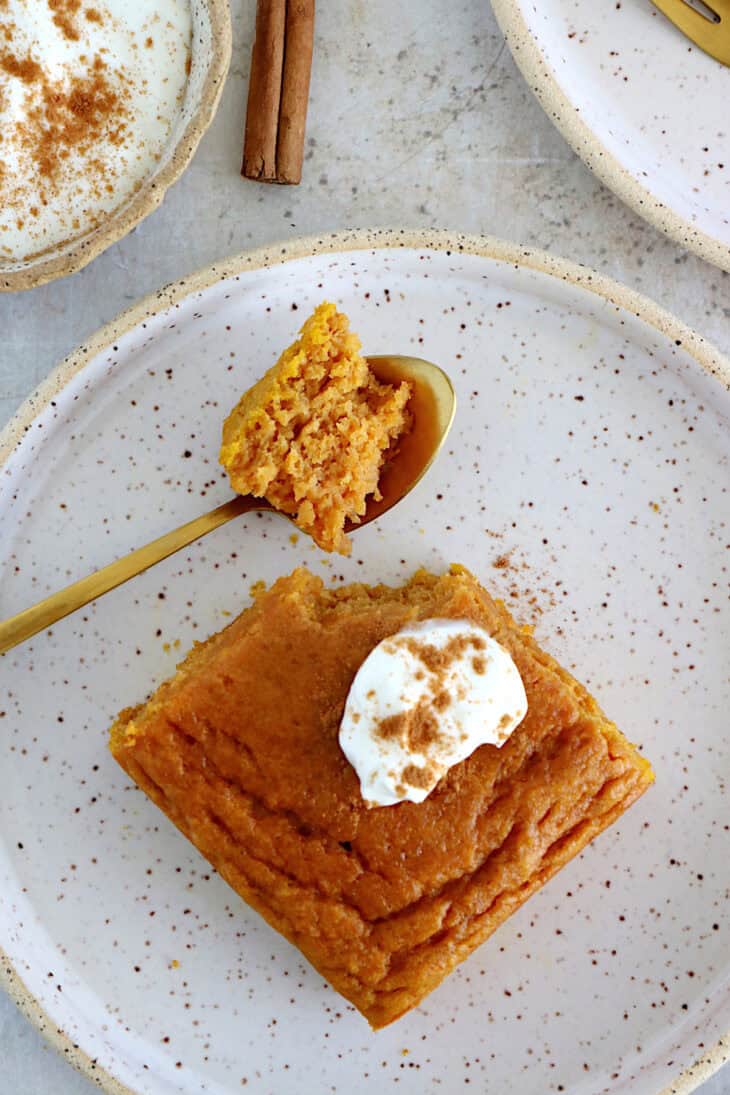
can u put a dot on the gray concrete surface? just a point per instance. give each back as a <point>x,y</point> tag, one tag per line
<point>418,117</point>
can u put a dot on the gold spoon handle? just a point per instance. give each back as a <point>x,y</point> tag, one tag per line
<point>60,604</point>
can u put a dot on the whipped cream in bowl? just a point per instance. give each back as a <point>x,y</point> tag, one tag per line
<point>422,701</point>
<point>102,103</point>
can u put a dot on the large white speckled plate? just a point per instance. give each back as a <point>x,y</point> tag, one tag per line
<point>642,105</point>
<point>590,459</point>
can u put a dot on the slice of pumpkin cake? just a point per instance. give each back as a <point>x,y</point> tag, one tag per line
<point>313,434</point>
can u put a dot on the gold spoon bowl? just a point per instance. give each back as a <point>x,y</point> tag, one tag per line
<point>432,404</point>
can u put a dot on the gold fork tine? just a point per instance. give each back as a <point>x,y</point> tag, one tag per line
<point>712,37</point>
<point>720,7</point>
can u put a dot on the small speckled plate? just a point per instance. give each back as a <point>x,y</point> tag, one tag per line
<point>585,482</point>
<point>644,107</point>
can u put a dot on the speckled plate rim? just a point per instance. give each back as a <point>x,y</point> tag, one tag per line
<point>276,254</point>
<point>75,255</point>
<point>564,114</point>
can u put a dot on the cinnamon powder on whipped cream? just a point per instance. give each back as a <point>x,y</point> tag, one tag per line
<point>424,699</point>
<point>64,16</point>
<point>74,113</point>
<point>85,111</point>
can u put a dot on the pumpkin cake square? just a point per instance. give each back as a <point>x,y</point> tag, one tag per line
<point>240,749</point>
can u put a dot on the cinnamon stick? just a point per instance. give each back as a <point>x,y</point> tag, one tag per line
<point>278,92</point>
<point>295,89</point>
<point>264,91</point>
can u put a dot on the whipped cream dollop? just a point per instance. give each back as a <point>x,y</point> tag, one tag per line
<point>422,701</point>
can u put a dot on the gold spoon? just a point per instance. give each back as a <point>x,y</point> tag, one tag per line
<point>432,404</point>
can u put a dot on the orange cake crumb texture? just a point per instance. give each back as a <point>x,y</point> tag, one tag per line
<point>240,749</point>
<point>312,435</point>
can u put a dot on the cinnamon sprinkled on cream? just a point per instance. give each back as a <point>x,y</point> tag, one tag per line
<point>438,660</point>
<point>85,111</point>
<point>423,701</point>
<point>418,728</point>
<point>64,16</point>
<point>75,116</point>
<point>418,777</point>
<point>25,68</point>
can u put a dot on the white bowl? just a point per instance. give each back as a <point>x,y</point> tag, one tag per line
<point>210,55</point>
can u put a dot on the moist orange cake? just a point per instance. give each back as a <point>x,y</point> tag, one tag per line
<point>312,435</point>
<point>240,749</point>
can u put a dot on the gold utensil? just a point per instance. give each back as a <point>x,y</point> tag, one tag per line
<point>706,22</point>
<point>433,404</point>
